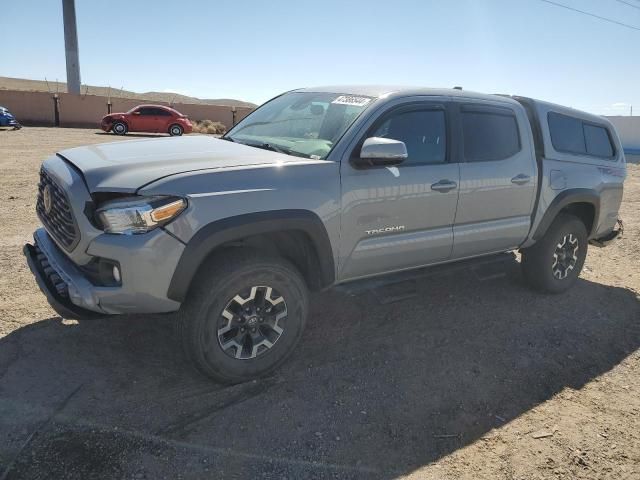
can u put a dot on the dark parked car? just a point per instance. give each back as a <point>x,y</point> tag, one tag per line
<point>7,119</point>
<point>147,118</point>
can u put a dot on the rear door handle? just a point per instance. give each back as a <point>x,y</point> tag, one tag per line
<point>521,179</point>
<point>443,186</point>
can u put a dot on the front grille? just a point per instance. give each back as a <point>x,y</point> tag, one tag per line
<point>58,218</point>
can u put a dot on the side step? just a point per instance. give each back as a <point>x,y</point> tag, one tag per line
<point>403,283</point>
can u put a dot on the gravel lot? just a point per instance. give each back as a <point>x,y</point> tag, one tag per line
<point>474,376</point>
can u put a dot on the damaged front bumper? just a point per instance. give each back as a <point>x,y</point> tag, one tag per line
<point>66,289</point>
<point>146,264</point>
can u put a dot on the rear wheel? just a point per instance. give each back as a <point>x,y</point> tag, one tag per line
<point>244,316</point>
<point>175,130</point>
<point>554,263</point>
<point>120,128</point>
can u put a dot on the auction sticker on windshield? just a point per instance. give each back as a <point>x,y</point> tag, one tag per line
<point>351,100</point>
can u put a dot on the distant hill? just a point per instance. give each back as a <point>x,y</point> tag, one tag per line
<point>8,83</point>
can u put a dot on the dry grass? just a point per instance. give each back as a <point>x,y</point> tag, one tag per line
<point>208,126</point>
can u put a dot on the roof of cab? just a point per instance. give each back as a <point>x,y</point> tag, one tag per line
<point>395,91</point>
<point>389,91</point>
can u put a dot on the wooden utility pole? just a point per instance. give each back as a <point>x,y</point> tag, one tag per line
<point>71,46</point>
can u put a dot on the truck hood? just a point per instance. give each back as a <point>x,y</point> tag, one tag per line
<point>128,165</point>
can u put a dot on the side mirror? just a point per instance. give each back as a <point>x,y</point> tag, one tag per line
<point>378,151</point>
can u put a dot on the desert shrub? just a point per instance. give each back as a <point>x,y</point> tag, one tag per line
<point>208,126</point>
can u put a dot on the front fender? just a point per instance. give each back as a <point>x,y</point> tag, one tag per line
<point>220,232</point>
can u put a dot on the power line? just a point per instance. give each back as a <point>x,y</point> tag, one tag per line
<point>630,4</point>
<point>591,14</point>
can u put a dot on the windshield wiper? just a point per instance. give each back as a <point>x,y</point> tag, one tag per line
<point>268,146</point>
<point>275,148</point>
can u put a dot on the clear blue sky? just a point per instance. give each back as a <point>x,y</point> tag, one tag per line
<point>253,50</point>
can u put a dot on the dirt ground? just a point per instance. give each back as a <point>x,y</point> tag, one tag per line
<point>472,377</point>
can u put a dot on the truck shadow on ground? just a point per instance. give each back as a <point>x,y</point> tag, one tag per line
<point>381,384</point>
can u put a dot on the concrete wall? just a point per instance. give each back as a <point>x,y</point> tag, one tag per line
<point>37,108</point>
<point>628,129</point>
<point>81,111</point>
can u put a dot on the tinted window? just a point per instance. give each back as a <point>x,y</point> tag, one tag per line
<point>422,131</point>
<point>489,136</point>
<point>146,111</point>
<point>566,133</point>
<point>597,140</point>
<point>156,111</point>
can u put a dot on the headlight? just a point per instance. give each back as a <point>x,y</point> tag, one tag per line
<point>133,215</point>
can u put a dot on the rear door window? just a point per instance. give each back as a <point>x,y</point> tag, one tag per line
<point>489,134</point>
<point>598,141</point>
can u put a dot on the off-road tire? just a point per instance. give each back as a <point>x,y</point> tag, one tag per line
<point>175,130</point>
<point>120,128</point>
<point>539,260</point>
<point>218,282</point>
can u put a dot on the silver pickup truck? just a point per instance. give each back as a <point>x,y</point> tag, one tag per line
<point>318,187</point>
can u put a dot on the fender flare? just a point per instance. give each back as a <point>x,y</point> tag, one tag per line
<point>229,229</point>
<point>564,199</point>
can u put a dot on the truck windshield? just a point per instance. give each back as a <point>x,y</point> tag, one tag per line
<point>305,124</point>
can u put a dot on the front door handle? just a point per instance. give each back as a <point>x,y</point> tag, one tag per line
<point>521,179</point>
<point>443,186</point>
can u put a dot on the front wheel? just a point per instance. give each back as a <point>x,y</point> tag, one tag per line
<point>120,128</point>
<point>175,130</point>
<point>244,316</point>
<point>554,263</point>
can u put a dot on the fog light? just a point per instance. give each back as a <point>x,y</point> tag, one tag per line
<point>116,273</point>
<point>104,272</point>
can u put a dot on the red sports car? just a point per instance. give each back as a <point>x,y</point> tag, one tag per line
<point>147,118</point>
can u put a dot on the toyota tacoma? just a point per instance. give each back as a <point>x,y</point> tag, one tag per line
<point>315,188</point>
